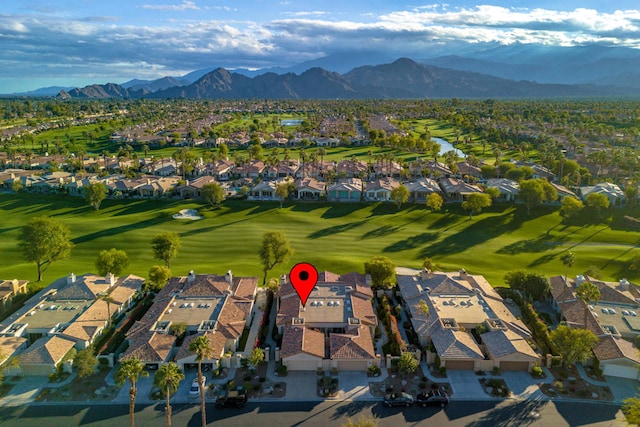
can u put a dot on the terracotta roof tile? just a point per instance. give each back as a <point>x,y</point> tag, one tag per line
<point>298,339</point>
<point>354,344</point>
<point>47,350</point>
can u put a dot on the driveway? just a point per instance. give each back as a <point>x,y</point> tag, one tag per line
<point>522,385</point>
<point>622,388</point>
<point>465,385</point>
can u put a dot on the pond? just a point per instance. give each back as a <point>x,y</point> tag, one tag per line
<point>291,122</point>
<point>446,146</point>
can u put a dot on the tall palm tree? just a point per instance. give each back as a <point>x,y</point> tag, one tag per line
<point>201,346</point>
<point>108,299</point>
<point>568,260</point>
<point>587,292</point>
<point>168,378</point>
<point>130,369</point>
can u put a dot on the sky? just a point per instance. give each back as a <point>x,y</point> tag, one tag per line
<point>80,42</point>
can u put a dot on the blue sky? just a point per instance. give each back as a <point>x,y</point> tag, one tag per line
<point>79,42</point>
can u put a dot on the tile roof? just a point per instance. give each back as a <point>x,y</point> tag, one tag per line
<point>289,308</point>
<point>353,344</point>
<point>574,312</point>
<point>48,350</point>
<point>9,346</point>
<point>152,348</point>
<point>452,344</point>
<point>245,287</point>
<point>363,310</point>
<point>298,339</point>
<point>611,348</point>
<point>501,343</point>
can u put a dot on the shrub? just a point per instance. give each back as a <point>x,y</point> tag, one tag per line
<point>282,370</point>
<point>536,371</point>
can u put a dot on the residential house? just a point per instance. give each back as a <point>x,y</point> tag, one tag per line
<point>192,188</point>
<point>218,307</point>
<point>388,168</point>
<point>539,171</point>
<point>345,190</point>
<point>421,188</point>
<point>70,310</point>
<point>380,189</point>
<point>612,191</point>
<point>456,189</point>
<point>221,169</point>
<point>457,304</point>
<point>159,187</point>
<point>508,188</point>
<point>9,289</point>
<point>613,319</point>
<point>468,171</point>
<point>333,330</point>
<point>352,169</point>
<point>310,189</point>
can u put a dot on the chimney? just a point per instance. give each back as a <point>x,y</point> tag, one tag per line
<point>15,286</point>
<point>463,273</point>
<point>111,279</point>
<point>624,284</point>
<point>229,277</point>
<point>426,274</point>
<point>71,278</point>
<point>283,280</point>
<point>579,279</point>
<point>191,276</point>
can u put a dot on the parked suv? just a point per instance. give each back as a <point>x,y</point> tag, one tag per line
<point>433,398</point>
<point>232,399</point>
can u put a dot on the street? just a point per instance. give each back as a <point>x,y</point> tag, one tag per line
<point>458,413</point>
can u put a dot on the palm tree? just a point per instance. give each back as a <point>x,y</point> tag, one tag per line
<point>108,299</point>
<point>567,259</point>
<point>130,369</point>
<point>201,346</point>
<point>587,292</point>
<point>168,378</point>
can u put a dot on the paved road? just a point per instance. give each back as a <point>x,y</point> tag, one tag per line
<point>471,414</point>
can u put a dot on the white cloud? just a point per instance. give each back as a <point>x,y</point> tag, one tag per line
<point>185,5</point>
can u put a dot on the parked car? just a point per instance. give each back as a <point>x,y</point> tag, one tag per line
<point>433,398</point>
<point>194,391</point>
<point>232,399</point>
<point>398,399</point>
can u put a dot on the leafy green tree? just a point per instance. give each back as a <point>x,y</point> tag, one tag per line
<point>282,191</point>
<point>381,269</point>
<point>475,202</point>
<point>201,346</point>
<point>488,171</point>
<point>112,261</point>
<point>534,285</point>
<point>212,194</point>
<point>574,345</point>
<point>44,241</point>
<point>158,277</point>
<point>407,364</point>
<point>130,370</point>
<point>570,207</point>
<point>535,192</point>
<point>168,379</point>
<point>434,202</point>
<point>274,249</point>
<point>94,194</point>
<point>257,357</point>
<point>400,195</point>
<point>85,362</point>
<point>598,201</point>
<point>631,410</point>
<point>493,192</point>
<point>423,307</point>
<point>165,247</point>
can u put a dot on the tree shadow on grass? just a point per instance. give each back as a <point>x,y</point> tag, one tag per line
<point>157,219</point>
<point>226,224</point>
<point>446,220</point>
<point>411,243</point>
<point>474,234</point>
<point>341,228</point>
<point>543,243</point>
<point>340,210</point>
<point>385,230</point>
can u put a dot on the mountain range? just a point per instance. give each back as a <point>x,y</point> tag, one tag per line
<point>403,78</point>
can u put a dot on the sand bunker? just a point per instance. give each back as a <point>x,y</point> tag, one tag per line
<point>191,214</point>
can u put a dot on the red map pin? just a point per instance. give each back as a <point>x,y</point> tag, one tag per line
<point>303,277</point>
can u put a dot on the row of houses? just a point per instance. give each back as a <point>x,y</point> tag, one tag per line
<point>71,313</point>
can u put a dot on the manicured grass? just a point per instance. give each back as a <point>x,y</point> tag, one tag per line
<point>334,237</point>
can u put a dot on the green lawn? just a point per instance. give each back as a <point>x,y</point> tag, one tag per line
<point>338,237</point>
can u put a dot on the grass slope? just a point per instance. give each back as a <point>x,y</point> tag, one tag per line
<point>335,237</point>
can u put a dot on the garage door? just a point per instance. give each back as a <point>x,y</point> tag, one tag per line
<point>514,366</point>
<point>301,365</point>
<point>352,365</point>
<point>621,371</point>
<point>465,365</point>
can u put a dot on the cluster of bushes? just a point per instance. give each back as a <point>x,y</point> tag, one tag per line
<point>395,345</point>
<point>110,340</point>
<point>537,326</point>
